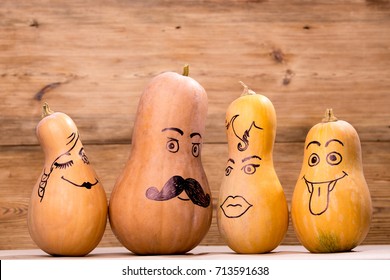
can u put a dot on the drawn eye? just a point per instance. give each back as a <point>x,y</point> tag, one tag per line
<point>334,158</point>
<point>314,159</point>
<point>172,145</point>
<point>83,156</point>
<point>63,165</point>
<point>228,170</point>
<point>250,168</point>
<point>195,149</point>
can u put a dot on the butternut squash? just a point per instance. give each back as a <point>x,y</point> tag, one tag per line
<point>161,202</point>
<point>67,212</point>
<point>331,205</point>
<point>253,212</point>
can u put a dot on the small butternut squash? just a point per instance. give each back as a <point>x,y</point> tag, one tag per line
<point>253,212</point>
<point>67,212</point>
<point>331,205</point>
<point>161,202</point>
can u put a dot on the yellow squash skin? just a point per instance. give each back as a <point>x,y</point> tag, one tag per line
<point>331,205</point>
<point>67,213</point>
<point>166,144</point>
<point>252,209</point>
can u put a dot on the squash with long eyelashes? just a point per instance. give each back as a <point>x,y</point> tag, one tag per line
<point>252,209</point>
<point>67,213</point>
<point>331,205</point>
<point>161,202</point>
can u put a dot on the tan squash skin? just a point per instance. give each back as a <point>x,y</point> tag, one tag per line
<point>173,226</point>
<point>252,209</point>
<point>336,214</point>
<point>65,219</point>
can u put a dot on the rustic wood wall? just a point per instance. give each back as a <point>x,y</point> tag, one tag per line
<point>92,58</point>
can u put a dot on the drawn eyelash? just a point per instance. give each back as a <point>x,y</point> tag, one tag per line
<point>63,165</point>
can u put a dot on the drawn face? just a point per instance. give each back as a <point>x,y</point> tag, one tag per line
<point>73,157</point>
<point>177,184</point>
<point>234,206</point>
<point>330,154</point>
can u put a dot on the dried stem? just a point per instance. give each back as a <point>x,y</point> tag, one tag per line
<point>186,70</point>
<point>247,90</point>
<point>46,111</point>
<point>329,116</point>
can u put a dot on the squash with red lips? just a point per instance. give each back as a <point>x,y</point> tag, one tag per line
<point>161,202</point>
<point>67,213</point>
<point>252,213</point>
<point>331,205</point>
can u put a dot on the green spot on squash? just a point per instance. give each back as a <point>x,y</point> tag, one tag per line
<point>328,243</point>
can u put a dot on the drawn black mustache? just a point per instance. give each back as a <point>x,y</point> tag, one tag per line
<point>175,186</point>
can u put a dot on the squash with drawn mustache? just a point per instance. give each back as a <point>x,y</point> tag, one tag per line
<point>331,205</point>
<point>67,213</point>
<point>161,202</point>
<point>252,209</point>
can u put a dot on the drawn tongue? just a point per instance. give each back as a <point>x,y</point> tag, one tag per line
<point>319,196</point>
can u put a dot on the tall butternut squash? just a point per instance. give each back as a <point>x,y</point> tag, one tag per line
<point>161,202</point>
<point>252,212</point>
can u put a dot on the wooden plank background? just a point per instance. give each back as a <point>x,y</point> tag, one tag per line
<point>92,59</point>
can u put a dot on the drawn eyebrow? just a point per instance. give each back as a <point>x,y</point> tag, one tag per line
<point>250,157</point>
<point>313,142</point>
<point>231,160</point>
<point>195,134</point>
<point>72,136</point>
<point>174,129</point>
<point>333,140</point>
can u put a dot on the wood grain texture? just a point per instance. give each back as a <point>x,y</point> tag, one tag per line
<point>21,166</point>
<point>304,56</point>
<point>92,59</point>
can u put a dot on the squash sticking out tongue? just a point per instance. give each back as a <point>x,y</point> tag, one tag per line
<point>331,206</point>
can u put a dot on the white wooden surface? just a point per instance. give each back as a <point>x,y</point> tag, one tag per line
<point>284,252</point>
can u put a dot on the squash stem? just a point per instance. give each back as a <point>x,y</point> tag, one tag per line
<point>247,90</point>
<point>329,116</point>
<point>186,70</point>
<point>46,111</point>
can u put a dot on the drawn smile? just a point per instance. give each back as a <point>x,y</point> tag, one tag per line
<point>319,194</point>
<point>86,185</point>
<point>235,206</point>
